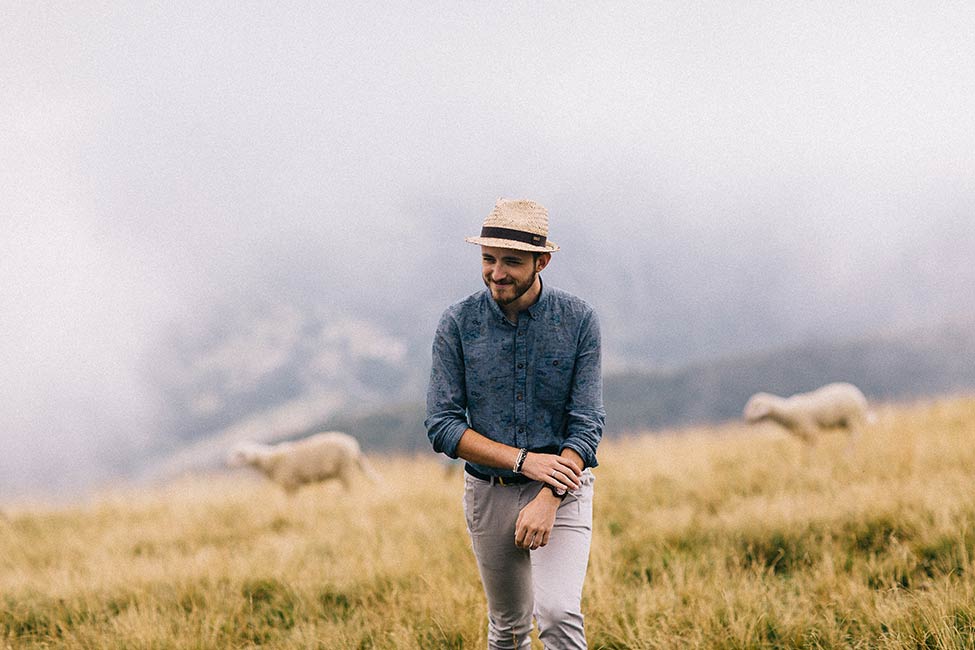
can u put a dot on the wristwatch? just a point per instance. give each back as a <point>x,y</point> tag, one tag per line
<point>559,492</point>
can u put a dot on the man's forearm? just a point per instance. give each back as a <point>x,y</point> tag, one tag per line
<point>559,471</point>
<point>573,455</point>
<point>481,450</point>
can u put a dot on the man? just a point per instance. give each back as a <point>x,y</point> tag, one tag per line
<point>516,391</point>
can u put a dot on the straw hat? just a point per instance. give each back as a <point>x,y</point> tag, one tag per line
<point>518,224</point>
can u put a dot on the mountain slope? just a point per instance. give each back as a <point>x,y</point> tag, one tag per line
<point>911,364</point>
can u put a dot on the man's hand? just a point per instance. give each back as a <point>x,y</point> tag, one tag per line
<point>557,471</point>
<point>535,521</point>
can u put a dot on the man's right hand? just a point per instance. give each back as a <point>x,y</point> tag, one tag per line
<point>554,470</point>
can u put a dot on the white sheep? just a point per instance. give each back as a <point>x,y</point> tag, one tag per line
<point>314,459</point>
<point>806,415</point>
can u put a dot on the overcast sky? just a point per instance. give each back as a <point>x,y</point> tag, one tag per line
<point>159,158</point>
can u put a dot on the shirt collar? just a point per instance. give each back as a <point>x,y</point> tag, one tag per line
<point>536,309</point>
<point>493,306</point>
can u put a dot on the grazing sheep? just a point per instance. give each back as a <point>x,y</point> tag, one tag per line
<point>317,458</point>
<point>806,415</point>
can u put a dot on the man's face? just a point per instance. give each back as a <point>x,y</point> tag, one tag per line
<point>509,273</point>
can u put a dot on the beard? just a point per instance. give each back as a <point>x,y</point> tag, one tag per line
<point>513,290</point>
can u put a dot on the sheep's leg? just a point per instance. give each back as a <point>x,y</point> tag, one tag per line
<point>805,451</point>
<point>853,429</point>
<point>367,469</point>
<point>290,489</point>
<point>806,445</point>
<point>808,438</point>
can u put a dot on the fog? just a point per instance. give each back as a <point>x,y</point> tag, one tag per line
<point>720,178</point>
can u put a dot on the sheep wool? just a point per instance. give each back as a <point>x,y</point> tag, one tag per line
<point>317,458</point>
<point>806,415</point>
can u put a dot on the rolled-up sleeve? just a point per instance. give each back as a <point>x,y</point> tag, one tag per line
<point>586,415</point>
<point>447,393</point>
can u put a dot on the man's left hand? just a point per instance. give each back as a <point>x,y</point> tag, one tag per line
<point>535,521</point>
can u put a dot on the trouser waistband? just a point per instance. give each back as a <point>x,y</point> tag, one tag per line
<point>517,479</point>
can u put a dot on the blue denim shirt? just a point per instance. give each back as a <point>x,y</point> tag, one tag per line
<point>534,384</point>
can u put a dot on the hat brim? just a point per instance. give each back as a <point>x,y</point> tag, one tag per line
<point>549,247</point>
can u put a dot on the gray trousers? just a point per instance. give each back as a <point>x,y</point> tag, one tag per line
<point>519,584</point>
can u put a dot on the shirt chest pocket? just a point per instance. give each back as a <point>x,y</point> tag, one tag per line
<point>553,379</point>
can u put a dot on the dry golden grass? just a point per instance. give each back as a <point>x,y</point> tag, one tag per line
<point>710,538</point>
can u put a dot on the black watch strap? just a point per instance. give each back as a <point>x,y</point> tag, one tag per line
<point>556,491</point>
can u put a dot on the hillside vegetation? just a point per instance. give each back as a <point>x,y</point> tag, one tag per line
<point>704,538</point>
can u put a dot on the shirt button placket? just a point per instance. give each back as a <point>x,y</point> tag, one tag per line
<point>521,382</point>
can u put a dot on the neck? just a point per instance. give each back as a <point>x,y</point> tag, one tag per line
<point>529,298</point>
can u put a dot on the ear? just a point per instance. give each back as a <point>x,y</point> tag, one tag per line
<point>757,408</point>
<point>542,261</point>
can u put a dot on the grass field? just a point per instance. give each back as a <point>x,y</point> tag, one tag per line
<point>708,538</point>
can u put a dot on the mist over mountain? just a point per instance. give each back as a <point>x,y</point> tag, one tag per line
<point>341,336</point>
<point>221,222</point>
<point>668,293</point>
<point>888,367</point>
<point>893,366</point>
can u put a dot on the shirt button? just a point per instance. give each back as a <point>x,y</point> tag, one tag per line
<point>521,429</point>
<point>518,397</point>
<point>520,332</point>
<point>520,366</point>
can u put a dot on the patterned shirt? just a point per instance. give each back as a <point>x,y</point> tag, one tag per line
<point>535,384</point>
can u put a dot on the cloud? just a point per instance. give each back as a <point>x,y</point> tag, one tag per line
<point>75,322</point>
<point>715,173</point>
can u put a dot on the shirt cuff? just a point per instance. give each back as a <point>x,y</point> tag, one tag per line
<point>451,438</point>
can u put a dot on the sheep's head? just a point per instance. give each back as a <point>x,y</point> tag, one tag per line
<point>758,407</point>
<point>244,453</point>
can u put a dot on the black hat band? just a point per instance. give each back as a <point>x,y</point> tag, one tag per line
<point>513,235</point>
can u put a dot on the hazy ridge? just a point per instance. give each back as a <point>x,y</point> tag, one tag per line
<point>909,365</point>
<point>386,416</point>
